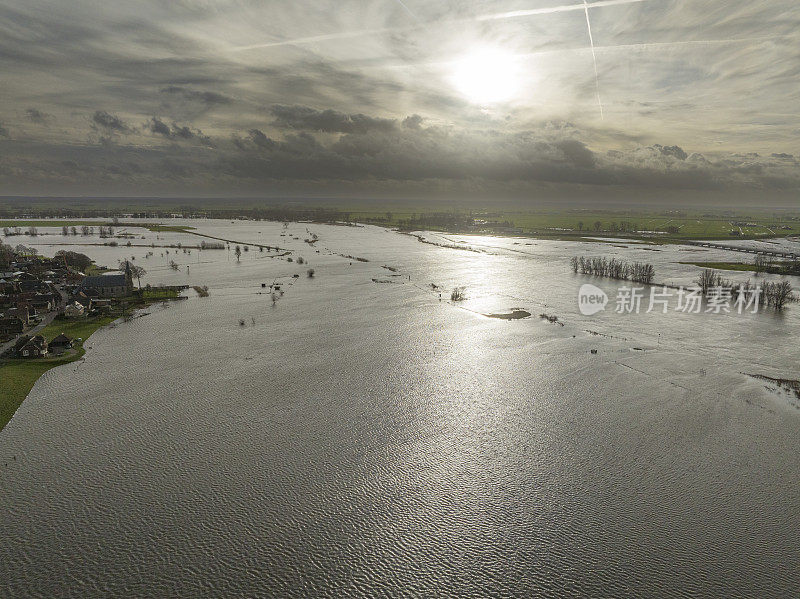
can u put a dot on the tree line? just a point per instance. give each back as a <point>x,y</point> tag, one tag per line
<point>772,294</point>
<point>638,272</point>
<point>763,263</point>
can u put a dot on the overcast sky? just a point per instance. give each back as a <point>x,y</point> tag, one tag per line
<point>374,97</point>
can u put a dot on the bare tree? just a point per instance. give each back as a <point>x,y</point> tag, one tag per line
<point>707,279</point>
<point>136,271</point>
<point>762,263</point>
<point>238,253</point>
<point>781,294</point>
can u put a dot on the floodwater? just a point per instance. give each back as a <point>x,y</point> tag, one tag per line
<point>363,438</point>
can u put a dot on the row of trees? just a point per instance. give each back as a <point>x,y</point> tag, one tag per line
<point>639,272</point>
<point>773,294</point>
<point>623,226</point>
<point>74,259</point>
<point>211,245</point>
<point>763,263</point>
<point>87,230</point>
<point>8,254</point>
<point>12,231</point>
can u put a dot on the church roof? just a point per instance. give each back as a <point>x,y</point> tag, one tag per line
<point>101,281</point>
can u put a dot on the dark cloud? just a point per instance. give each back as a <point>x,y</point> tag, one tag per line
<point>412,122</point>
<point>674,151</point>
<point>37,116</point>
<point>261,140</point>
<point>177,132</point>
<point>159,127</point>
<point>328,121</point>
<point>109,122</point>
<point>205,97</point>
<point>552,154</point>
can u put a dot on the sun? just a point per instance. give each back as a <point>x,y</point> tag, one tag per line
<point>487,76</point>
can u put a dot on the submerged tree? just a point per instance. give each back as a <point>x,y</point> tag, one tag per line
<point>639,272</point>
<point>238,252</point>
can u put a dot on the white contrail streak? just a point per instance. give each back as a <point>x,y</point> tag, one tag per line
<point>408,10</point>
<point>553,9</point>
<point>594,59</point>
<point>316,38</point>
<point>490,17</point>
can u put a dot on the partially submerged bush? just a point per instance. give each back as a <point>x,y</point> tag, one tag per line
<point>458,294</point>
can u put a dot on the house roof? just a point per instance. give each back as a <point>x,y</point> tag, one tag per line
<point>36,341</point>
<point>62,339</point>
<point>104,281</point>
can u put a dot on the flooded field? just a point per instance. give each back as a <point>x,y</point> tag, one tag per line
<point>363,435</point>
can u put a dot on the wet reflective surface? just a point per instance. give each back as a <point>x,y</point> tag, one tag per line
<point>363,438</point>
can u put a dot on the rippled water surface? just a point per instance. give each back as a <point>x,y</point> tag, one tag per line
<point>364,438</point>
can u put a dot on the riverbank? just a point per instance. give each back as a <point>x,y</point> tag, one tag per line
<point>19,375</point>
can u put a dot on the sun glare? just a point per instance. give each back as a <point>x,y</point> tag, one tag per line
<point>487,76</point>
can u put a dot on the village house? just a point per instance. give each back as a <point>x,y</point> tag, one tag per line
<point>21,311</point>
<point>10,327</point>
<point>74,310</point>
<point>32,347</point>
<point>60,344</point>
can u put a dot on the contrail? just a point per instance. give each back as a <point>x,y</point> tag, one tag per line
<point>490,17</point>
<point>317,38</point>
<point>408,10</point>
<point>594,59</point>
<point>553,9</point>
<point>599,50</point>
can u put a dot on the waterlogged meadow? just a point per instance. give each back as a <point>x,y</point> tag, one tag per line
<point>366,431</point>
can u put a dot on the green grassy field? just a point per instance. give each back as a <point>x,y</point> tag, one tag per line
<point>774,268</point>
<point>155,294</point>
<point>608,223</point>
<point>661,227</point>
